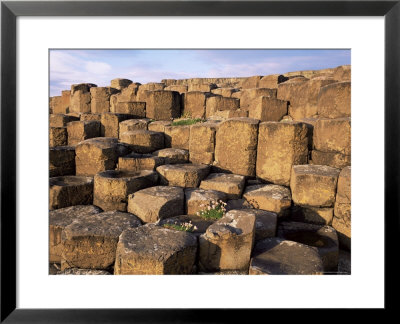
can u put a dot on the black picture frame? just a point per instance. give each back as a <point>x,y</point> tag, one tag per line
<point>10,10</point>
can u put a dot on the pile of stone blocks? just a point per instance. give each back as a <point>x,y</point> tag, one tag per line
<point>130,164</point>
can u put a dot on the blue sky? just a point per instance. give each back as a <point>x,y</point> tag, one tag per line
<point>101,66</point>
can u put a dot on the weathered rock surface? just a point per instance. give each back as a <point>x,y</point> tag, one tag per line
<point>62,161</point>
<point>333,135</point>
<point>198,199</point>
<point>98,154</point>
<point>61,120</point>
<point>312,215</point>
<point>154,203</point>
<point>195,103</point>
<point>110,123</point>
<point>323,238</point>
<point>177,137</point>
<point>231,184</point>
<point>143,141</point>
<point>79,131</point>
<point>183,175</point>
<point>173,155</point>
<point>227,244</point>
<point>200,224</point>
<point>314,185</point>
<point>111,188</point>
<point>90,242</point>
<point>269,109</point>
<point>58,136</point>
<point>334,100</point>
<point>132,125</point>
<point>155,250</point>
<point>138,162</point>
<point>333,159</point>
<point>163,105</point>
<point>58,220</point>
<point>280,145</point>
<point>202,142</point>
<point>68,191</point>
<point>236,146</point>
<point>273,198</point>
<point>275,256</point>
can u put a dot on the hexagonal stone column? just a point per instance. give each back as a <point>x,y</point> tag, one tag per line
<point>132,125</point>
<point>342,213</point>
<point>195,198</point>
<point>202,142</point>
<point>58,136</point>
<point>90,242</point>
<point>135,108</point>
<point>195,103</point>
<point>80,97</point>
<point>314,185</point>
<point>143,141</point>
<point>58,220</point>
<point>110,123</point>
<point>269,109</point>
<point>236,146</point>
<point>227,244</point>
<point>155,250</point>
<point>280,145</point>
<point>335,160</point>
<point>98,154</point>
<point>120,84</point>
<point>333,135</point>
<point>231,184</point>
<point>173,155</point>
<point>219,103</point>
<point>154,203</point>
<point>266,222</point>
<point>100,99</point>
<point>61,120</point>
<point>273,256</point>
<point>111,188</point>
<point>69,191</point>
<point>183,175</point>
<point>163,105</point>
<point>177,136</point>
<point>272,198</point>
<point>158,126</point>
<point>62,161</point>
<point>79,131</point>
<point>137,162</point>
<point>323,238</point>
<point>334,100</point>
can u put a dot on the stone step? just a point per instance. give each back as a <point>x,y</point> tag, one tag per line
<point>231,184</point>
<point>173,155</point>
<point>183,175</point>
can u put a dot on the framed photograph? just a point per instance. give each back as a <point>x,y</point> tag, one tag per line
<point>131,81</point>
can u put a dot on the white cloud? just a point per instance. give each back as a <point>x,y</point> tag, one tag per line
<point>97,67</point>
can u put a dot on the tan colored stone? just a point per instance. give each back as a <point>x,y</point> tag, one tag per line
<point>100,99</point>
<point>273,256</point>
<point>111,188</point>
<point>237,204</point>
<point>58,220</point>
<point>323,238</point>
<point>88,117</point>
<point>199,224</point>
<point>194,104</point>
<point>203,87</point>
<point>127,94</point>
<point>225,92</point>
<point>183,175</point>
<point>333,135</point>
<point>197,199</point>
<point>155,203</point>
<point>342,73</point>
<point>280,145</point>
<point>314,185</point>
<point>143,141</point>
<point>98,154</point>
<point>225,114</point>
<point>269,109</point>
<point>58,136</point>
<point>177,136</point>
<point>342,224</point>
<point>249,97</point>
<point>120,84</point>
<point>80,97</point>
<point>90,242</point>
<point>335,160</point>
<point>62,161</point>
<point>272,81</point>
<point>173,155</point>
<point>132,125</point>
<point>158,126</point>
<point>110,123</point>
<point>218,103</point>
<point>236,146</point>
<point>251,82</point>
<point>68,191</point>
<point>152,86</point>
<point>227,243</point>
<point>155,250</point>
<point>202,142</point>
<point>344,186</point>
<point>138,162</point>
<point>179,88</point>
<point>334,100</point>
<point>231,184</point>
<point>273,198</point>
<point>61,120</point>
<point>79,131</point>
<point>163,105</point>
<point>313,215</point>
<point>135,108</point>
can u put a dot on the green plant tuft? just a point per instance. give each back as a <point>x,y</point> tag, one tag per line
<point>184,122</point>
<point>213,210</point>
